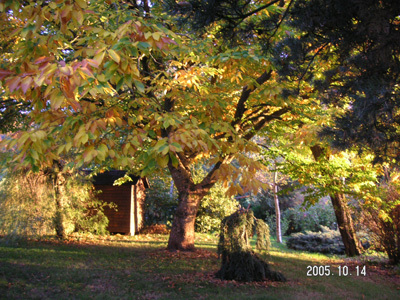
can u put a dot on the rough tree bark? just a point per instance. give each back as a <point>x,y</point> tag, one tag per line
<point>345,223</point>
<point>342,213</point>
<point>182,232</point>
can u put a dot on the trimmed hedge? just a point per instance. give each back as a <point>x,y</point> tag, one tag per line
<point>326,241</point>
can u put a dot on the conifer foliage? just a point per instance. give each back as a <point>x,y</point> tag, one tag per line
<point>355,44</point>
<point>239,261</point>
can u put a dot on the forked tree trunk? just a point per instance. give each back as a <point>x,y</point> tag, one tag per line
<point>189,198</point>
<point>342,213</point>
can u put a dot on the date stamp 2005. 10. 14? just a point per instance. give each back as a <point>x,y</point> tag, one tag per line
<point>326,270</point>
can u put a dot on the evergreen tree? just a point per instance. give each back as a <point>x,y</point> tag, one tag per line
<point>358,43</point>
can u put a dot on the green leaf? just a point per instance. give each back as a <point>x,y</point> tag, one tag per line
<point>139,85</point>
<point>143,46</point>
<point>174,160</point>
<point>119,84</point>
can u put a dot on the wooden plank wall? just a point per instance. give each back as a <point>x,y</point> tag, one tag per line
<point>119,221</point>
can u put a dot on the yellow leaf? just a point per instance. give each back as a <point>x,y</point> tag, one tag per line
<point>81,3</point>
<point>156,36</point>
<point>165,150</point>
<point>114,55</point>
<point>34,154</point>
<point>68,146</point>
<point>162,161</point>
<point>101,78</point>
<point>57,101</point>
<point>89,154</point>
<point>67,70</point>
<point>78,16</point>
<point>98,59</point>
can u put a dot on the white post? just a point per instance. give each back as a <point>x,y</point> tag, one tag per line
<point>277,209</point>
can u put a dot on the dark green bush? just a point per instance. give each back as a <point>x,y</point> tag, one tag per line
<point>159,205</point>
<point>263,204</point>
<point>326,241</point>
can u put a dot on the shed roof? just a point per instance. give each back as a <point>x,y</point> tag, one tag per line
<point>108,178</point>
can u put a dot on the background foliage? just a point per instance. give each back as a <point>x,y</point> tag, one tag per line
<point>28,205</point>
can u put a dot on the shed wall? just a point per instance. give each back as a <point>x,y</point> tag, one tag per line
<point>119,221</point>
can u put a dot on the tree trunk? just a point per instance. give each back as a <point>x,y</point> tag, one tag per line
<point>277,210</point>
<point>345,223</point>
<point>342,213</point>
<point>182,231</point>
<point>189,198</point>
<point>59,214</point>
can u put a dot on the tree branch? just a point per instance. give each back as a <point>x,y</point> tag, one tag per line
<point>246,92</point>
<point>264,120</point>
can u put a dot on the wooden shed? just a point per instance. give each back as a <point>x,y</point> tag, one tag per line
<point>129,198</point>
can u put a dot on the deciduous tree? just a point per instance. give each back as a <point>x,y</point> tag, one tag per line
<point>112,84</point>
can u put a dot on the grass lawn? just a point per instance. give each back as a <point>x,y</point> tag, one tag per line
<point>119,267</point>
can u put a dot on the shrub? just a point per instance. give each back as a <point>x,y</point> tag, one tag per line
<point>28,206</point>
<point>324,241</point>
<point>263,204</point>
<point>271,221</point>
<point>159,205</point>
<point>239,262</point>
<point>382,217</point>
<point>301,219</point>
<point>214,208</point>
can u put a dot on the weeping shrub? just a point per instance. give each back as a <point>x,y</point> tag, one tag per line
<point>300,219</point>
<point>239,262</point>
